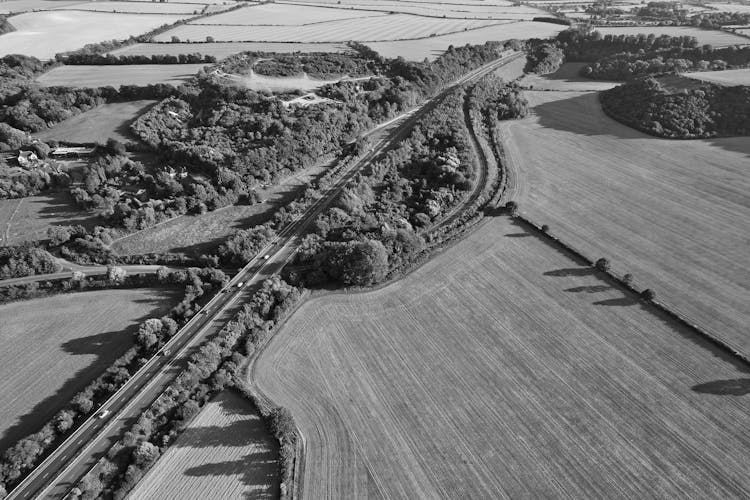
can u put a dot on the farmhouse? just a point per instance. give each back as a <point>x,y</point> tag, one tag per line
<point>27,159</point>
<point>72,152</point>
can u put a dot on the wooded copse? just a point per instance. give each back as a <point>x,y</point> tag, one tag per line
<point>707,111</point>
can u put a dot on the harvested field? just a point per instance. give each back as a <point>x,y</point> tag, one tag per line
<point>138,7</point>
<point>202,233</point>
<point>43,34</point>
<point>673,213</point>
<point>276,14</point>
<point>417,50</point>
<point>220,50</point>
<point>727,77</point>
<point>226,452</point>
<point>568,77</point>
<point>99,124</point>
<point>116,75</point>
<point>27,219</point>
<point>730,7</point>
<point>713,37</point>
<point>16,6</point>
<point>53,347</point>
<point>375,27</point>
<point>505,369</point>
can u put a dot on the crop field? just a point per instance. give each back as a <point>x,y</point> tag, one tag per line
<point>226,452</point>
<point>568,77</point>
<point>53,347</point>
<point>27,219</point>
<point>16,6</point>
<point>99,124</point>
<point>673,213</point>
<point>220,50</point>
<point>727,77</point>
<point>375,27</point>
<point>43,34</point>
<point>503,368</point>
<point>282,15</point>
<point>713,37</point>
<point>417,50</point>
<point>730,7</point>
<point>138,7</point>
<point>201,233</point>
<point>116,75</point>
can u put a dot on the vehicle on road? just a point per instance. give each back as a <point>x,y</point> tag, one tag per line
<point>104,414</point>
<point>239,285</point>
<point>266,257</point>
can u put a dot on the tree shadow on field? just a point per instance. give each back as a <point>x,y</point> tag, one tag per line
<point>107,347</point>
<point>619,302</point>
<point>589,289</point>
<point>570,271</point>
<point>733,387</point>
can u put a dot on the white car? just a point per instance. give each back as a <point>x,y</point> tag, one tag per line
<point>104,414</point>
<point>239,285</point>
<point>266,257</point>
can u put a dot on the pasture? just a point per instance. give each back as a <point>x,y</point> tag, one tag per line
<point>116,75</point>
<point>371,28</point>
<point>713,37</point>
<point>568,77</point>
<point>503,368</point>
<point>431,48</point>
<point>44,34</point>
<point>99,124</point>
<point>727,77</point>
<point>673,213</point>
<point>226,452</point>
<point>53,347</point>
<point>220,50</point>
<point>27,219</point>
<point>197,234</point>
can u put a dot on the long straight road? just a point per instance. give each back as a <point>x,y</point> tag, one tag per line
<point>60,471</point>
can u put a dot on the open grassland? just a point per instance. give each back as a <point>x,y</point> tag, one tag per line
<point>197,234</point>
<point>375,27</point>
<point>675,214</point>
<point>568,77</point>
<point>43,34</point>
<point>99,124</point>
<point>116,75</point>
<point>274,14</point>
<point>51,348</point>
<point>417,50</point>
<point>139,7</point>
<point>220,50</point>
<point>727,77</point>
<point>712,37</point>
<point>27,219</point>
<point>254,81</point>
<point>226,452</point>
<point>505,369</point>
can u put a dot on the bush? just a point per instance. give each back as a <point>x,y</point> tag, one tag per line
<point>648,295</point>
<point>602,265</point>
<point>627,279</point>
<point>512,208</point>
<point>545,228</point>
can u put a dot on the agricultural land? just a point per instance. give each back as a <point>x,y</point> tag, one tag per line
<point>715,38</point>
<point>727,77</point>
<point>226,452</point>
<point>504,368</point>
<point>220,50</point>
<point>672,213</point>
<point>110,120</point>
<point>114,76</point>
<point>53,347</point>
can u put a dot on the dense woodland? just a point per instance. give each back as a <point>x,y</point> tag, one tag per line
<point>26,260</point>
<point>623,57</point>
<point>318,65</point>
<point>707,111</point>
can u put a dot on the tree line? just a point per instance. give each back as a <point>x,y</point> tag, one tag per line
<point>95,59</point>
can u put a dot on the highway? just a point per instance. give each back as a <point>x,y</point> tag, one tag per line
<point>62,469</point>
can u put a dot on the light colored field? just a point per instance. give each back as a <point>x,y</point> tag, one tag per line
<point>225,49</point>
<point>504,369</point>
<point>377,27</point>
<point>138,7</point>
<point>226,452</point>
<point>44,34</point>
<point>116,75</point>
<point>9,6</point>
<point>730,7</point>
<point>99,124</point>
<point>566,78</point>
<point>53,347</point>
<point>713,37</point>
<point>728,77</point>
<point>417,50</point>
<point>283,15</point>
<point>675,214</point>
<point>27,219</point>
<point>254,81</point>
<point>202,233</point>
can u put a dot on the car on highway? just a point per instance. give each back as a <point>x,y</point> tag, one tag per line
<point>266,257</point>
<point>239,285</point>
<point>104,414</point>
